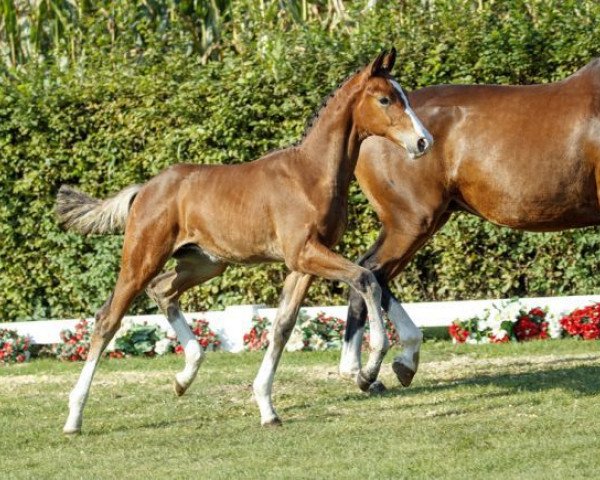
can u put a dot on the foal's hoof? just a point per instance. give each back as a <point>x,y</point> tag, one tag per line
<point>179,389</point>
<point>274,422</point>
<point>405,375</point>
<point>377,388</point>
<point>362,382</point>
<point>72,431</point>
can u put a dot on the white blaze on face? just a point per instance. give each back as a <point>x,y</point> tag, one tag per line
<point>420,130</point>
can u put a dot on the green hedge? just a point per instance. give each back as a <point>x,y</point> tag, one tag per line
<point>114,119</point>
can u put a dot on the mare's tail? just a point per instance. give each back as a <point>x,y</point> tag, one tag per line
<point>87,215</point>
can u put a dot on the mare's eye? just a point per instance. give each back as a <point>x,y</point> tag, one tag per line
<point>385,101</point>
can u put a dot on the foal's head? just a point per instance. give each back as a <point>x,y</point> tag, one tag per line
<point>383,109</point>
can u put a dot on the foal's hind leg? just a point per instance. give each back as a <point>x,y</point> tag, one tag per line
<point>138,266</point>
<point>193,268</point>
<point>294,291</point>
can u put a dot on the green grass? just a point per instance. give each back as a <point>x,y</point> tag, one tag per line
<point>494,411</point>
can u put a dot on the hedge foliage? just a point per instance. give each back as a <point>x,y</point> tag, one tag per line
<point>118,117</point>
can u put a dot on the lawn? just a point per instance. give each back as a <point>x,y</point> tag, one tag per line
<point>494,411</point>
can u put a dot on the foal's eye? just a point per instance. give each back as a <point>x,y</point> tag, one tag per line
<point>385,101</point>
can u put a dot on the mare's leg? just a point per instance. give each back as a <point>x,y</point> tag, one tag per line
<point>386,259</point>
<point>193,268</point>
<point>138,266</point>
<point>316,259</point>
<point>294,290</point>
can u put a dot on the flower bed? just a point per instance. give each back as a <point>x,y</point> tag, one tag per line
<point>136,340</point>
<point>583,322</point>
<point>509,321</point>
<point>207,339</point>
<point>14,348</point>
<point>75,345</point>
<point>258,336</point>
<point>503,322</point>
<point>322,332</point>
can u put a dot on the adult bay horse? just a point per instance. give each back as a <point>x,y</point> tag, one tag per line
<point>290,206</point>
<point>526,157</point>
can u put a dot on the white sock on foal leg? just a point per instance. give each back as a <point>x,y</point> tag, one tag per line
<point>263,387</point>
<point>194,354</point>
<point>78,397</point>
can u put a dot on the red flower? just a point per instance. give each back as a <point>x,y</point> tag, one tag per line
<point>538,312</point>
<point>458,333</point>
<point>583,322</point>
<point>527,329</point>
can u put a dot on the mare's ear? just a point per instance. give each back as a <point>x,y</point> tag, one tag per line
<point>389,60</point>
<point>377,65</point>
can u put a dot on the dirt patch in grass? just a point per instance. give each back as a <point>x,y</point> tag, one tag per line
<point>101,378</point>
<point>459,366</point>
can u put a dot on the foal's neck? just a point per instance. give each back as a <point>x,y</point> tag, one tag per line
<point>331,146</point>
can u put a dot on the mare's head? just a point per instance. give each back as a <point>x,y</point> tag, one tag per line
<point>382,109</point>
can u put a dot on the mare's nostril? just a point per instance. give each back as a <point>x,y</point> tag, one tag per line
<point>422,144</point>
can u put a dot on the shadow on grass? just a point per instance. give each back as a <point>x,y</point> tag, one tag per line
<point>578,380</point>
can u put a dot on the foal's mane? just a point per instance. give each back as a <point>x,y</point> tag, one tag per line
<point>312,120</point>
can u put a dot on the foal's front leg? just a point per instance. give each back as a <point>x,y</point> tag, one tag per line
<point>317,259</point>
<point>294,290</point>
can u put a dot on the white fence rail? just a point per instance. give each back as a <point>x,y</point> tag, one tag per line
<point>232,323</point>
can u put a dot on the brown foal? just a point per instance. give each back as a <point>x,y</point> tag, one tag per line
<point>290,206</point>
<point>526,157</point>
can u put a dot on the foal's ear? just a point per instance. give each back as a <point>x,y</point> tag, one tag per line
<point>377,66</point>
<point>389,60</point>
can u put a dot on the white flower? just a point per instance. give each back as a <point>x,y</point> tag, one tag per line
<point>554,328</point>
<point>500,313</point>
<point>499,334</point>
<point>317,343</point>
<point>296,341</point>
<point>162,346</point>
<point>305,324</point>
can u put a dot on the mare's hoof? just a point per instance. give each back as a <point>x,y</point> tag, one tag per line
<point>275,422</point>
<point>362,382</point>
<point>377,388</point>
<point>405,375</point>
<point>179,389</point>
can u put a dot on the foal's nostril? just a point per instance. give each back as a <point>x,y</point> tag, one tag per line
<point>422,144</point>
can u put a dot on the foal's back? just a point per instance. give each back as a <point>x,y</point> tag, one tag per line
<point>245,203</point>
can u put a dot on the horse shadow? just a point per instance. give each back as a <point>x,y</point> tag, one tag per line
<point>580,380</point>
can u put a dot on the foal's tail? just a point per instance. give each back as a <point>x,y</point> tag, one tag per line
<point>87,215</point>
